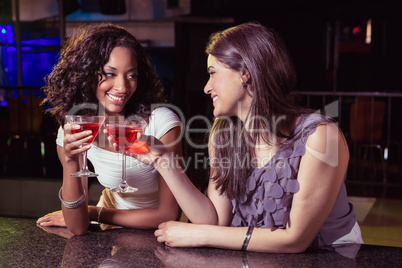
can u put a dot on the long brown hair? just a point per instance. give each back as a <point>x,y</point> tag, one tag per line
<point>74,79</point>
<point>260,51</point>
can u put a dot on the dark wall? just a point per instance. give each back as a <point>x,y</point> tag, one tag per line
<point>190,79</point>
<point>309,29</point>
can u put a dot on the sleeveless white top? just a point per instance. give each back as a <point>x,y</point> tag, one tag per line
<point>139,175</point>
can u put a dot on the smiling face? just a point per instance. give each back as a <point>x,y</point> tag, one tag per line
<point>227,90</point>
<point>119,81</point>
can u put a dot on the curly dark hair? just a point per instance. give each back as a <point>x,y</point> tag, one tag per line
<point>74,79</point>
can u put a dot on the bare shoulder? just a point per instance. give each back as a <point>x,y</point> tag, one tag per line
<point>323,132</point>
<point>328,144</point>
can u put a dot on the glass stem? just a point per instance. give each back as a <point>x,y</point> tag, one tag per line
<point>84,161</point>
<point>123,180</point>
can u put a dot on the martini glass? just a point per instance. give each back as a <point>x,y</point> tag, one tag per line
<point>124,134</point>
<point>86,122</point>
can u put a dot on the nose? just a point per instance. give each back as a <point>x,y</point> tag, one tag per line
<point>207,88</point>
<point>121,84</point>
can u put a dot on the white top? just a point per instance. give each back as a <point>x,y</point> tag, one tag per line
<point>139,175</point>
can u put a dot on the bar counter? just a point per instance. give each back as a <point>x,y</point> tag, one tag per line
<point>23,244</point>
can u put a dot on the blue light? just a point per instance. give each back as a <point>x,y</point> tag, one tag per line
<point>3,103</point>
<point>49,41</point>
<point>37,58</point>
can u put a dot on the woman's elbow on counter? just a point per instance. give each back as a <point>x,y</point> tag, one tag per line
<point>291,248</point>
<point>299,248</point>
<point>297,244</point>
<point>78,230</point>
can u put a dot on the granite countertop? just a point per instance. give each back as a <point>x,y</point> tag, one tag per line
<point>23,244</point>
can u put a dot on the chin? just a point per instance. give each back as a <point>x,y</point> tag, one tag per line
<point>112,108</point>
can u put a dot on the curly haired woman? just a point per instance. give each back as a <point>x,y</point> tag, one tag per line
<point>104,66</point>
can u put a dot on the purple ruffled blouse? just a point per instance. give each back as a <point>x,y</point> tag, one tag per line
<point>270,189</point>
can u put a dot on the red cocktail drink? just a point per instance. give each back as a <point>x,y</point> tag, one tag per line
<point>86,122</point>
<point>124,135</point>
<point>94,127</point>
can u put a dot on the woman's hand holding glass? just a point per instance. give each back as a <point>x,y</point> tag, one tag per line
<point>88,127</point>
<point>152,156</point>
<point>75,144</point>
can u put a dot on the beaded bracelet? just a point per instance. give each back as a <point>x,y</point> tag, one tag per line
<point>74,204</point>
<point>247,237</point>
<point>100,210</point>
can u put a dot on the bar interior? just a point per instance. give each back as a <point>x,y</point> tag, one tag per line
<point>347,57</point>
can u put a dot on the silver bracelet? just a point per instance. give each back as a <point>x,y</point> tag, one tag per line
<point>74,204</point>
<point>247,237</point>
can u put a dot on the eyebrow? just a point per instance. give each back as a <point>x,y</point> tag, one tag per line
<point>130,70</point>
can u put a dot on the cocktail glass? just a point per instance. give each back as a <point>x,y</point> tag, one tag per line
<point>124,134</point>
<point>86,122</point>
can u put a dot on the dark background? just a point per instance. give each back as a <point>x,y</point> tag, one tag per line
<point>327,54</point>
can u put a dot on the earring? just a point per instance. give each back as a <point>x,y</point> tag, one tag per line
<point>245,85</point>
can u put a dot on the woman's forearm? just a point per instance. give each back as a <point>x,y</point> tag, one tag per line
<point>73,189</point>
<point>197,207</point>
<point>148,218</point>
<point>270,240</point>
<point>261,239</point>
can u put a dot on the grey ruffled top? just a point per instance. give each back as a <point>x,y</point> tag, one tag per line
<point>270,189</point>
